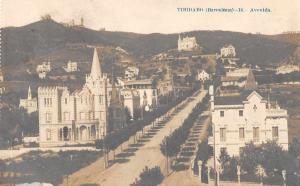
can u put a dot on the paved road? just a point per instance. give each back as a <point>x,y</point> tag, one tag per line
<point>125,173</point>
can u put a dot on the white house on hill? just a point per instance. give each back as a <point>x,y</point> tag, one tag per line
<point>228,51</point>
<point>203,76</point>
<point>187,43</point>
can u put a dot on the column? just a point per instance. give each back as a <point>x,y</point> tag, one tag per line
<point>200,170</point>
<point>208,176</point>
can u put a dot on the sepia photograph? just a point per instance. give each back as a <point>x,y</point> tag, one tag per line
<point>150,93</point>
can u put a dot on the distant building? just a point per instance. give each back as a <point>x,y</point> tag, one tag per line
<point>116,114</point>
<point>147,92</point>
<point>238,120</point>
<point>2,89</point>
<point>203,75</point>
<point>289,68</point>
<point>131,101</point>
<point>30,104</point>
<point>42,75</point>
<point>187,43</point>
<point>166,85</point>
<point>73,24</point>
<point>71,66</point>
<point>131,72</point>
<point>228,51</point>
<point>238,78</point>
<point>241,72</point>
<point>44,67</point>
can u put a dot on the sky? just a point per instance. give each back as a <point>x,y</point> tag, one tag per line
<point>152,16</point>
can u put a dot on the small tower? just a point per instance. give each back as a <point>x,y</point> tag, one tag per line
<point>29,95</point>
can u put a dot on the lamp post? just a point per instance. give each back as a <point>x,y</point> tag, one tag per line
<point>219,168</point>
<point>238,169</point>
<point>200,170</point>
<point>261,172</point>
<point>284,177</point>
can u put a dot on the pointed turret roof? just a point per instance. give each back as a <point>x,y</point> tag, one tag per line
<point>250,82</point>
<point>29,96</point>
<point>96,67</point>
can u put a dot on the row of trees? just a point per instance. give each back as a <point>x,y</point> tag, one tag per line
<point>170,146</point>
<point>16,123</point>
<point>270,156</point>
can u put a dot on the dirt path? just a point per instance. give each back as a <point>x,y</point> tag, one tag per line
<point>135,158</point>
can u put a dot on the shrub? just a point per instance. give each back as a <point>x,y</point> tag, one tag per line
<point>204,151</point>
<point>149,177</point>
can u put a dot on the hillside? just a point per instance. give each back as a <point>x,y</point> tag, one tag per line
<point>33,43</point>
<point>293,38</point>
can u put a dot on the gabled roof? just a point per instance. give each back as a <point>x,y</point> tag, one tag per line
<point>236,100</point>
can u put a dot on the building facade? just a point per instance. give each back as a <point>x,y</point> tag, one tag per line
<point>165,86</point>
<point>187,44</point>
<point>147,91</point>
<point>238,120</point>
<point>30,104</point>
<point>131,100</point>
<point>228,51</point>
<point>74,117</point>
<point>44,67</point>
<point>71,66</point>
<point>289,68</point>
<point>203,76</point>
<point>131,72</point>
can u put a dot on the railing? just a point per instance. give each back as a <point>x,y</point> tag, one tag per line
<point>276,113</point>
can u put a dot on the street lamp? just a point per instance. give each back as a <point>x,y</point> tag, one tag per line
<point>284,177</point>
<point>260,173</point>
<point>238,170</point>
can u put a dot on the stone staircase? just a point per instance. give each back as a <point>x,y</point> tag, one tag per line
<point>189,148</point>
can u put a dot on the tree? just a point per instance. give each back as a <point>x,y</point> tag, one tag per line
<point>251,157</point>
<point>149,177</point>
<point>275,159</point>
<point>295,148</point>
<point>229,165</point>
<point>204,151</point>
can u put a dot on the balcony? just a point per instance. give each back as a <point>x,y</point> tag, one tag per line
<point>91,121</point>
<point>274,113</point>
